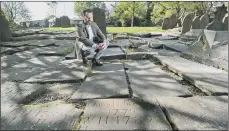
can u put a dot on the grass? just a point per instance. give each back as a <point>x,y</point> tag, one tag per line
<point>116,29</point>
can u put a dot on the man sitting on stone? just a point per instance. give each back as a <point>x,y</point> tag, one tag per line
<point>94,41</point>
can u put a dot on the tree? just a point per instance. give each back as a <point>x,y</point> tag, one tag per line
<point>129,11</point>
<point>52,5</point>
<point>16,11</point>
<point>181,8</point>
<point>80,6</point>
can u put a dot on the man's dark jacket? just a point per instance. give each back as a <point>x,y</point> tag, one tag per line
<point>84,36</point>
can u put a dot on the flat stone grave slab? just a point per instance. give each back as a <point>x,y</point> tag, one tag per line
<point>55,51</point>
<point>20,74</point>
<point>40,61</point>
<point>197,113</point>
<point>7,50</point>
<point>13,93</point>
<point>71,36</point>
<point>123,114</point>
<point>106,81</point>
<point>176,47</point>
<point>140,55</point>
<point>110,53</point>
<point>42,43</point>
<point>16,44</point>
<point>58,75</point>
<point>148,80</point>
<point>162,52</point>
<point>31,37</point>
<point>50,116</point>
<point>9,60</point>
<point>120,43</point>
<point>208,79</point>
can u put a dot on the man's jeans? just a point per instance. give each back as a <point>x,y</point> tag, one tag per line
<point>96,55</point>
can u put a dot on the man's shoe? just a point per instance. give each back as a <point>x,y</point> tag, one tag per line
<point>96,62</point>
<point>84,55</point>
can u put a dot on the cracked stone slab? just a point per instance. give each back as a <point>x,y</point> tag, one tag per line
<point>197,113</point>
<point>148,80</point>
<point>31,37</point>
<point>50,116</point>
<point>13,93</point>
<point>9,60</point>
<point>123,114</point>
<point>106,81</point>
<point>111,53</point>
<point>208,79</point>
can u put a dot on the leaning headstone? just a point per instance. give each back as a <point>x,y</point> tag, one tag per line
<point>217,23</point>
<point>165,24</point>
<point>187,22</point>
<point>196,23</point>
<point>225,22</point>
<point>5,34</point>
<point>173,21</point>
<point>99,19</point>
<point>204,21</point>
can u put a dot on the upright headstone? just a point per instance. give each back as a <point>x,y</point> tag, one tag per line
<point>196,23</point>
<point>65,21</point>
<point>225,22</point>
<point>173,21</point>
<point>165,24</point>
<point>100,19</point>
<point>187,23</point>
<point>5,34</point>
<point>204,21</point>
<point>217,23</point>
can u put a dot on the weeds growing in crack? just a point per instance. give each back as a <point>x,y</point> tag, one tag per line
<point>88,71</point>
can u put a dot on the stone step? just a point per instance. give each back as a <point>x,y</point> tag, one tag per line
<point>208,79</point>
<point>147,80</point>
<point>197,113</point>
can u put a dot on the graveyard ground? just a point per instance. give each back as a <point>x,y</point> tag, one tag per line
<point>144,84</point>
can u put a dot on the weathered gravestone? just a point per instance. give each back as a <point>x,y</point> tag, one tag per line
<point>173,21</point>
<point>225,22</point>
<point>204,21</point>
<point>165,24</point>
<point>65,21</point>
<point>187,22</point>
<point>196,23</point>
<point>217,23</point>
<point>99,19</point>
<point>5,34</point>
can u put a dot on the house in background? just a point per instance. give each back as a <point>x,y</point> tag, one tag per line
<point>77,20</point>
<point>35,23</point>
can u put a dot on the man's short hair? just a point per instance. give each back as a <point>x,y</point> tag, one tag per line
<point>87,10</point>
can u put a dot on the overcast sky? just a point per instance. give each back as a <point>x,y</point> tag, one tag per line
<point>39,10</point>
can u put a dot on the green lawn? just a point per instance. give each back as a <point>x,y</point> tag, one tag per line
<point>117,29</point>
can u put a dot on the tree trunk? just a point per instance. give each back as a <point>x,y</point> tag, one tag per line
<point>132,21</point>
